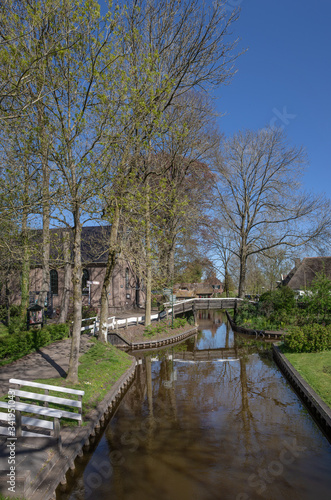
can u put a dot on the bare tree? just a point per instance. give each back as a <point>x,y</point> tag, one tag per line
<point>259,197</point>
<point>186,46</point>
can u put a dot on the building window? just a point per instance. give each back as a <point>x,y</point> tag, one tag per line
<point>127,284</point>
<point>85,279</point>
<point>54,282</point>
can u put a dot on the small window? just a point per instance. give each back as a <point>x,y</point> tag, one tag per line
<point>127,284</point>
<point>54,282</point>
<point>85,279</point>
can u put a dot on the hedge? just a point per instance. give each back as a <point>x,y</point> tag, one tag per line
<point>17,345</point>
<point>308,338</point>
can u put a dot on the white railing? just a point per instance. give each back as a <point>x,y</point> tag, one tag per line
<point>197,299</point>
<point>90,327</point>
<point>114,323</point>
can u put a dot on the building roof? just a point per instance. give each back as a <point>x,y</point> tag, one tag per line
<point>94,244</point>
<point>301,276</point>
<point>204,289</point>
<point>189,290</point>
<point>185,294</point>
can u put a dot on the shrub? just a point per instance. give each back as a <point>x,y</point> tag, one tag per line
<point>18,344</point>
<point>16,325</point>
<point>282,299</point>
<point>246,311</point>
<point>89,312</point>
<point>179,322</point>
<point>163,327</point>
<point>308,338</point>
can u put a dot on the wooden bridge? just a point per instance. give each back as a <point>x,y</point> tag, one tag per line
<point>202,303</point>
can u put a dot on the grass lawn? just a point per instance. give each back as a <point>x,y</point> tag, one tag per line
<point>315,368</point>
<point>100,367</point>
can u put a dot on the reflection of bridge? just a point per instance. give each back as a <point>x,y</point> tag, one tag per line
<point>196,355</point>
<point>206,354</point>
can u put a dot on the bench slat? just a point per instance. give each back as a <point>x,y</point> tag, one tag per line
<point>4,431</point>
<point>34,434</point>
<point>50,399</point>
<point>40,410</point>
<point>4,416</point>
<point>46,386</point>
<point>37,422</point>
<point>70,414</point>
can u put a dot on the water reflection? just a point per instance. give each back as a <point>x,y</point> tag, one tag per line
<point>208,429</point>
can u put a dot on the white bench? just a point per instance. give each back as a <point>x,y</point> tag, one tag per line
<point>47,398</point>
<point>11,416</point>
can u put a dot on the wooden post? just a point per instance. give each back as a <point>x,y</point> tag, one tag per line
<point>18,420</point>
<point>80,410</point>
<point>46,402</point>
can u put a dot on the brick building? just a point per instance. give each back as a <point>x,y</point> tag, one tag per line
<point>124,291</point>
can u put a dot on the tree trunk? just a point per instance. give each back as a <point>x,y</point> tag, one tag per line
<point>102,336</point>
<point>242,277</point>
<point>72,376</point>
<point>45,285</point>
<point>7,301</point>
<point>25,278</point>
<point>226,282</point>
<point>171,264</point>
<point>148,301</point>
<point>67,278</point>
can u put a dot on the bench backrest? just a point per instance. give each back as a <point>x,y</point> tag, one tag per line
<point>53,426</point>
<point>46,398</point>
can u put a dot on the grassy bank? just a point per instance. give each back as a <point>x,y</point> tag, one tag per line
<point>315,368</point>
<point>100,367</point>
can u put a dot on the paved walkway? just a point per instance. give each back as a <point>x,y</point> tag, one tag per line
<point>48,362</point>
<point>51,361</point>
<point>34,456</point>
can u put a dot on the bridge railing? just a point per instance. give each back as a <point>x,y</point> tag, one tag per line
<point>114,323</point>
<point>197,300</point>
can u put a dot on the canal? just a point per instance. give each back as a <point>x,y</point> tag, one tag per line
<point>205,420</point>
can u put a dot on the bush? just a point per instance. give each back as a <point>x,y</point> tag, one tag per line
<point>89,312</point>
<point>246,311</point>
<point>18,344</point>
<point>179,322</point>
<point>163,327</point>
<point>308,338</point>
<point>282,299</point>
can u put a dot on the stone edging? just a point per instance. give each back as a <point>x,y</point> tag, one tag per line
<point>314,403</point>
<point>250,331</point>
<point>73,441</point>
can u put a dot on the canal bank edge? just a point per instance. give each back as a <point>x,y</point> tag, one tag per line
<point>249,331</point>
<point>152,344</point>
<point>53,473</point>
<point>313,402</point>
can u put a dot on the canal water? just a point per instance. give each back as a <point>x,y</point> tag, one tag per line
<point>205,420</point>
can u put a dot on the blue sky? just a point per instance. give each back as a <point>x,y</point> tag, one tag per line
<point>284,78</point>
